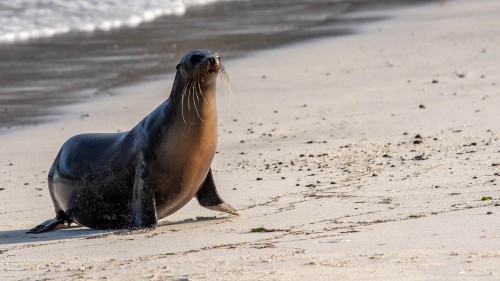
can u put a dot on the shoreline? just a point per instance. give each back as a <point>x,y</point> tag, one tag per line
<point>374,164</point>
<point>40,75</point>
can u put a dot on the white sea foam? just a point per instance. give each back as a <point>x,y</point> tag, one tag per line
<point>22,20</point>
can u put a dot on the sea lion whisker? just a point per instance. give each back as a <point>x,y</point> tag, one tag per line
<point>227,84</point>
<point>195,95</point>
<point>182,103</point>
<point>200,90</point>
<point>225,79</point>
<point>189,95</point>
<point>203,97</point>
<point>196,109</point>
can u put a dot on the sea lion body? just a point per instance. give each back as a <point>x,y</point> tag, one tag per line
<point>133,179</point>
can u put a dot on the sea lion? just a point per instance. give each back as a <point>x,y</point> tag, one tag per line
<point>132,179</point>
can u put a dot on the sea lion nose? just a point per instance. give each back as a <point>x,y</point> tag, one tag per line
<point>212,60</point>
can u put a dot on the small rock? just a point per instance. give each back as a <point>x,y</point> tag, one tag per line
<point>420,158</point>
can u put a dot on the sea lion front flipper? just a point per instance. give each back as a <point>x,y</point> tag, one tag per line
<point>209,198</point>
<point>48,225</point>
<point>143,200</point>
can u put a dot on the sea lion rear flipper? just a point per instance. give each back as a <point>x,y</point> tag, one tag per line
<point>209,198</point>
<point>50,225</point>
<point>143,200</point>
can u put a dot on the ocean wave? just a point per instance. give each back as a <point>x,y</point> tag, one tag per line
<point>22,20</point>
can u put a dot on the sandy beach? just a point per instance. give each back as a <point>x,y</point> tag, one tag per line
<point>372,156</point>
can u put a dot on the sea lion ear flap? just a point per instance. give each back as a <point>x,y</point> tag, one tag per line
<point>177,66</point>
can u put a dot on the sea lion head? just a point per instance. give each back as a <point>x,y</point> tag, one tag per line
<point>200,64</point>
<point>195,81</point>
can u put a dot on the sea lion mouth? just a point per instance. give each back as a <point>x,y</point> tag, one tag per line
<point>213,65</point>
<point>213,70</point>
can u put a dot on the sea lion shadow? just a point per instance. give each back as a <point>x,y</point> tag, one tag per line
<point>75,232</point>
<point>191,220</point>
<point>79,232</point>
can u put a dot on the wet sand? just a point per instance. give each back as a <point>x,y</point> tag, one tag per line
<point>373,156</point>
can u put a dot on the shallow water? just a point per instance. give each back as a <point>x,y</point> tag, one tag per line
<point>29,19</point>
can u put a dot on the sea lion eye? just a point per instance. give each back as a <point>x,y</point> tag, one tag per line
<point>195,59</point>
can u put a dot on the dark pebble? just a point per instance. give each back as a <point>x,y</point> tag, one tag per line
<point>489,213</point>
<point>421,106</point>
<point>259,179</point>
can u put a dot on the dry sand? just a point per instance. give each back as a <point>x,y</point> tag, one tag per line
<point>365,157</point>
